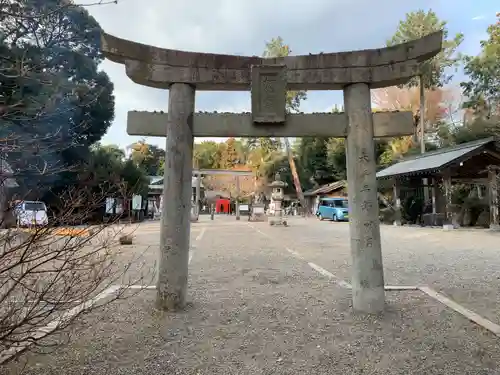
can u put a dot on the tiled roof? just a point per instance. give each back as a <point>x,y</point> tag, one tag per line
<point>433,160</point>
<point>156,182</point>
<point>325,189</point>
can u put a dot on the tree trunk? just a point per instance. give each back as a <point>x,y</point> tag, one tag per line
<point>422,115</point>
<point>422,133</point>
<point>295,175</point>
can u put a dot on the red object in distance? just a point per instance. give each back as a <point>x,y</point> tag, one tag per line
<point>222,206</point>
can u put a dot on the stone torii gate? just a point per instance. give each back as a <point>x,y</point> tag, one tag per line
<point>214,172</point>
<point>182,73</point>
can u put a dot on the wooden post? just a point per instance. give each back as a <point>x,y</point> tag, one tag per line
<point>368,272</point>
<point>396,190</point>
<point>198,194</point>
<point>434,190</point>
<point>177,196</point>
<point>448,221</point>
<point>425,181</point>
<point>493,190</point>
<point>237,204</point>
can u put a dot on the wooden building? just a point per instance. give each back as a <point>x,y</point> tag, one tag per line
<point>156,191</point>
<point>474,162</point>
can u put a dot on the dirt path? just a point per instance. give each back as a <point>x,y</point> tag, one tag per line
<point>259,310</point>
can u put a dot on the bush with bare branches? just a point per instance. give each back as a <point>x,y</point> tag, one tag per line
<point>50,276</point>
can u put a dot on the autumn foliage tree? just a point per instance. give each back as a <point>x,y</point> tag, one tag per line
<point>227,183</point>
<point>408,99</point>
<point>148,157</point>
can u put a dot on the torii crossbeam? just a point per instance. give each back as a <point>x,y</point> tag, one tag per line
<point>385,125</point>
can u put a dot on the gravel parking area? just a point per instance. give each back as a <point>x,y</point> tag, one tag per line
<point>256,309</point>
<point>462,264</point>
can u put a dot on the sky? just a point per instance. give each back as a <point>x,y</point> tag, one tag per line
<point>243,27</point>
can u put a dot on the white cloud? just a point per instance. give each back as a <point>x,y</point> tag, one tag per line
<point>477,18</point>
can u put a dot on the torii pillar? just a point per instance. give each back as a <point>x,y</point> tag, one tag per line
<point>353,72</point>
<point>177,198</point>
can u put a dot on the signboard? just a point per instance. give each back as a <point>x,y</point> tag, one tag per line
<point>258,210</point>
<point>136,202</point>
<point>243,207</point>
<point>268,94</point>
<point>110,202</point>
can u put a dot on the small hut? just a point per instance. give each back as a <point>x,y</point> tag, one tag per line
<point>476,162</point>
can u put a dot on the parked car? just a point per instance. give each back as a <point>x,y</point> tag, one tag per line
<point>31,213</point>
<point>336,209</point>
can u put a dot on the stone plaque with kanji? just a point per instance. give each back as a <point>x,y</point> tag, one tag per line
<point>268,93</point>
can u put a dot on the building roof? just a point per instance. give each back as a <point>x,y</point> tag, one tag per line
<point>156,182</point>
<point>325,189</point>
<point>213,194</point>
<point>434,161</point>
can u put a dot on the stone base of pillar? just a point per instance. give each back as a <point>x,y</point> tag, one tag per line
<point>237,218</point>
<point>257,213</point>
<point>257,217</point>
<point>448,227</point>
<point>194,215</point>
<point>495,227</point>
<point>275,221</point>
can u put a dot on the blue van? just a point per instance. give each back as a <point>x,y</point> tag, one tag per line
<point>336,209</point>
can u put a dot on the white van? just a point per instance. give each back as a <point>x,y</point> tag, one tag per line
<point>31,213</point>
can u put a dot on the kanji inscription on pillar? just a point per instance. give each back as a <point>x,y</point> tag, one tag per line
<point>268,94</point>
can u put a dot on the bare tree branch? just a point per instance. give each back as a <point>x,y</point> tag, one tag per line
<point>47,280</point>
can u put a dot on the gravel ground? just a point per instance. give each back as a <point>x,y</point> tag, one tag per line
<point>257,310</point>
<point>462,264</point>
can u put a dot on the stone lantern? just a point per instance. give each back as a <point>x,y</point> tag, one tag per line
<point>277,195</point>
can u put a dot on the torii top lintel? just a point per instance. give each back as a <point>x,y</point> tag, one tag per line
<point>159,67</point>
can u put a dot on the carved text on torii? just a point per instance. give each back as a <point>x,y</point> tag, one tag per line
<point>268,94</point>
